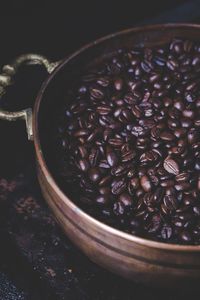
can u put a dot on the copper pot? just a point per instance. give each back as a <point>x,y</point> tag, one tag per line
<point>130,256</point>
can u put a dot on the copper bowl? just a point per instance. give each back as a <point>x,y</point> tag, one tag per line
<point>132,257</point>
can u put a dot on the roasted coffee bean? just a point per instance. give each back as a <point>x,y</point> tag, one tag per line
<point>129,155</point>
<point>186,237</point>
<point>167,136</point>
<point>103,110</point>
<point>102,200</point>
<point>145,183</point>
<point>120,170</point>
<point>118,208</point>
<point>155,224</point>
<point>196,210</point>
<point>83,165</point>
<point>166,232</point>
<point>118,186</point>
<point>105,190</point>
<point>126,199</point>
<point>186,122</point>
<point>103,81</point>
<point>104,164</point>
<point>116,142</point>
<point>171,166</point>
<point>182,177</point>
<point>94,174</point>
<point>170,202</point>
<point>155,133</point>
<point>182,186</point>
<point>118,83</point>
<point>150,156</point>
<point>135,224</point>
<point>167,183</point>
<point>178,104</point>
<point>129,141</point>
<point>192,135</point>
<point>180,132</point>
<point>96,93</point>
<point>94,156</point>
<point>134,182</point>
<point>111,156</point>
<point>198,184</point>
<point>137,131</point>
<point>83,151</point>
<point>105,180</point>
<point>81,133</point>
<point>136,111</point>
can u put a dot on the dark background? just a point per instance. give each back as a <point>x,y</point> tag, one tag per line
<point>55,29</point>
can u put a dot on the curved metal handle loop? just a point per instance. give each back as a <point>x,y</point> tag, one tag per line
<point>6,79</point>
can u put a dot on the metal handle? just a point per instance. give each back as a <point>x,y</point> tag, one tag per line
<point>6,79</point>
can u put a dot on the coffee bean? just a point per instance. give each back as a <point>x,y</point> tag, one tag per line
<point>103,110</point>
<point>96,93</point>
<point>135,224</point>
<point>83,165</point>
<point>145,183</point>
<point>167,183</point>
<point>186,123</point>
<point>120,170</point>
<point>178,104</point>
<point>118,208</point>
<point>196,210</point>
<point>186,237</point>
<point>118,83</point>
<point>182,186</point>
<point>94,156</point>
<point>136,111</point>
<point>102,200</point>
<point>166,232</point>
<point>188,113</point>
<point>170,202</point>
<point>180,132</point>
<point>182,177</point>
<point>126,199</point>
<point>81,133</point>
<point>192,136</point>
<point>134,183</point>
<point>103,81</point>
<point>198,184</point>
<point>94,174</point>
<point>171,166</point>
<point>155,224</point>
<point>105,180</point>
<point>116,142</point>
<point>149,156</point>
<point>118,186</point>
<point>197,123</point>
<point>105,190</point>
<point>155,132</point>
<point>167,136</point>
<point>111,156</point>
<point>129,155</point>
<point>104,164</point>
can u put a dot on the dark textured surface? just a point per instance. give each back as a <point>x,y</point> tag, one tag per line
<point>40,260</point>
<point>36,261</point>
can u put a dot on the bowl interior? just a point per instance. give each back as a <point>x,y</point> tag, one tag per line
<point>65,77</point>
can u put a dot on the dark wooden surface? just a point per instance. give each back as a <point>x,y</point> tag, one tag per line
<point>36,260</point>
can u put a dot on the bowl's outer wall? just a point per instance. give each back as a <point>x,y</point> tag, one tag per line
<point>134,259</point>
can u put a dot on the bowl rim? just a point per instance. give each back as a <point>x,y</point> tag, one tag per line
<point>49,177</point>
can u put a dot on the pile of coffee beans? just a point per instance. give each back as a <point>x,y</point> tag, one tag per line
<point>130,140</point>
